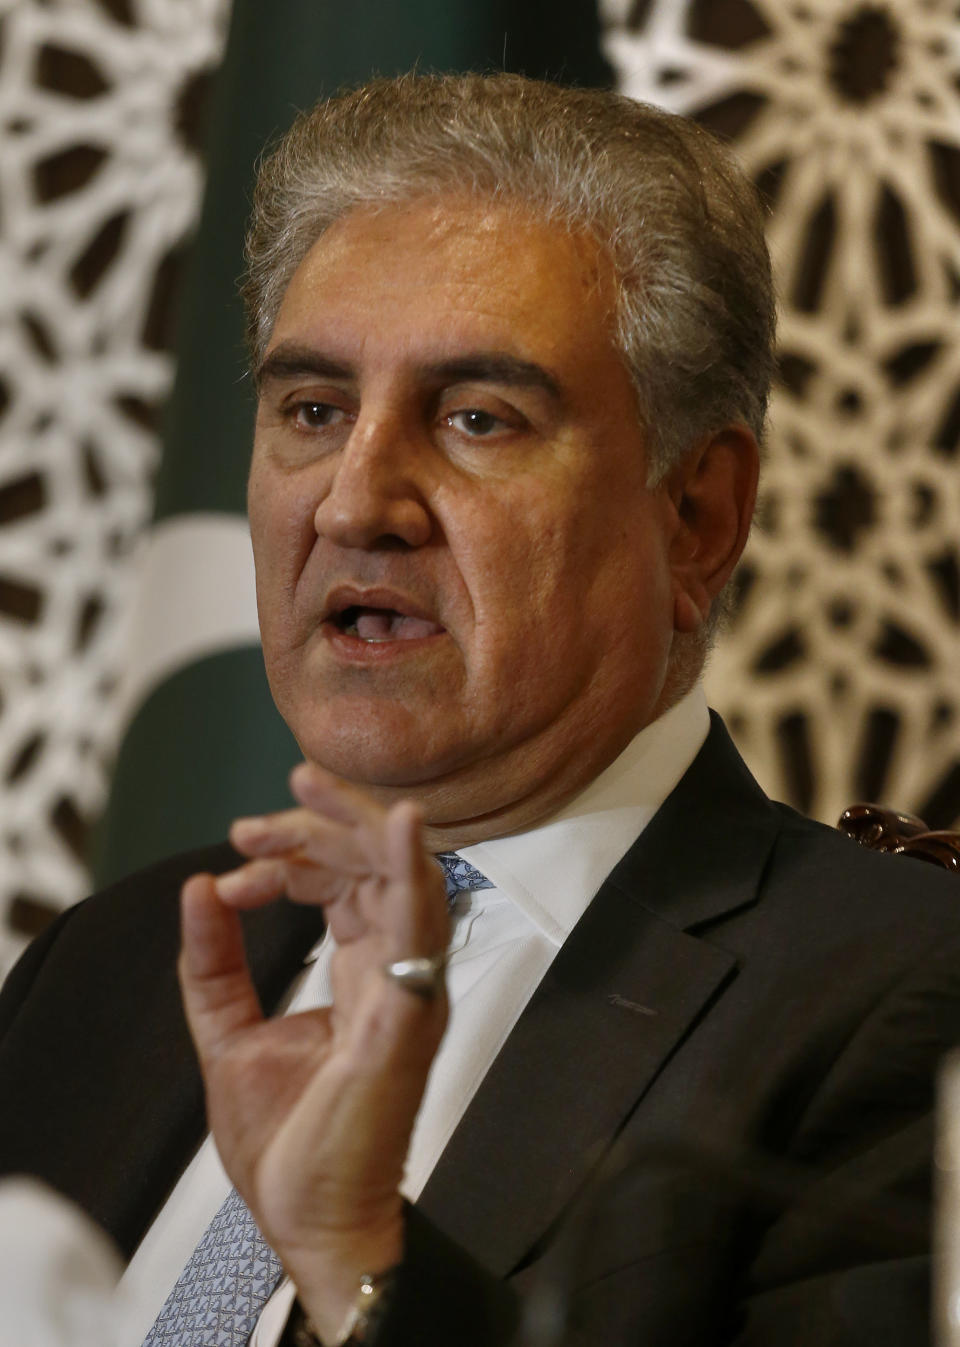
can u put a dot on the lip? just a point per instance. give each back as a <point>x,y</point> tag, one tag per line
<point>354,648</point>
<point>354,596</point>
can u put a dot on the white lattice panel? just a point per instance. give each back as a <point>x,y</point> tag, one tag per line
<point>97,188</point>
<point>842,671</point>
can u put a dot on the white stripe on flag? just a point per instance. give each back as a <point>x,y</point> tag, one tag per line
<point>195,597</point>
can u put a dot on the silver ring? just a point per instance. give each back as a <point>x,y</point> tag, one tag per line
<point>422,976</point>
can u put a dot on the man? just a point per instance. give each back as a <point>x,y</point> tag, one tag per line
<point>512,347</point>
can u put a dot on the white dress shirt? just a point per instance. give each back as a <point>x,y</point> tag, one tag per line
<point>503,941</point>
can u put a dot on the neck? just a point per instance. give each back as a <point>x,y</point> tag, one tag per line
<point>500,797</point>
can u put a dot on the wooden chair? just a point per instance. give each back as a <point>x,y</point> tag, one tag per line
<point>901,834</point>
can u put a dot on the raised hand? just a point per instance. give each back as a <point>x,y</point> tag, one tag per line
<point>312,1113</point>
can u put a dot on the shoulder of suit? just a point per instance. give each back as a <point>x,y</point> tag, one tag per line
<point>150,895</point>
<point>835,869</point>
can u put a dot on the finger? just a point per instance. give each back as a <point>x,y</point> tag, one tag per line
<point>327,794</point>
<point>218,995</point>
<point>260,882</point>
<point>394,1030</point>
<point>416,914</point>
<point>367,1002</point>
<point>406,918</point>
<point>304,835</point>
<point>388,1024</point>
<point>252,885</point>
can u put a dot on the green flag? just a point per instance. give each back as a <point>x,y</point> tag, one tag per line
<point>204,742</point>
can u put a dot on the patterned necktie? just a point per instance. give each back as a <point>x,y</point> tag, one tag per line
<point>225,1284</point>
<point>232,1272</point>
<point>459,875</point>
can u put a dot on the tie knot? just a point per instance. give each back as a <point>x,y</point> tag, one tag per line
<point>459,874</point>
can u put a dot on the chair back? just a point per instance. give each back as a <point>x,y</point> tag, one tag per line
<point>883,829</point>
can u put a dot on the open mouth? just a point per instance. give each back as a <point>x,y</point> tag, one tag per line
<point>376,625</point>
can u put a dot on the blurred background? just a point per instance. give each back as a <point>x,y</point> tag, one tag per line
<point>134,716</point>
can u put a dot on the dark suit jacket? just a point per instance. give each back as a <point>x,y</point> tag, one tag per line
<point>711,1124</point>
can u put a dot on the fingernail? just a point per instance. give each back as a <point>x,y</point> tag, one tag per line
<point>307,772</point>
<point>230,884</point>
<point>251,827</point>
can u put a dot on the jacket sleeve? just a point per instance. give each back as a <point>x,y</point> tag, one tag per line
<point>846,1261</point>
<point>16,985</point>
<point>822,1239</point>
<point>443,1296</point>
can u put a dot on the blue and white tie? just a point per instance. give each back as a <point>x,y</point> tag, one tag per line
<point>459,875</point>
<point>225,1284</point>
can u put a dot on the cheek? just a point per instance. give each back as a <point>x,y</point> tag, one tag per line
<point>513,572</point>
<point>281,530</point>
<point>530,579</point>
<point>533,540</point>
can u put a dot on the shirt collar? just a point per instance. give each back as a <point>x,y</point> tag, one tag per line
<point>553,871</point>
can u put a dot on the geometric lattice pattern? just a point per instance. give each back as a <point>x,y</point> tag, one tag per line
<point>100,180</point>
<point>841,673</point>
<point>223,1287</point>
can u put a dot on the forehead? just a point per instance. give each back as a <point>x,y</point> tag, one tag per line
<point>451,269</point>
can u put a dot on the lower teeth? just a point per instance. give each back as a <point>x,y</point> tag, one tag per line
<point>369,640</point>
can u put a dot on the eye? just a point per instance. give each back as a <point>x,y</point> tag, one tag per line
<point>316,415</point>
<point>475,422</point>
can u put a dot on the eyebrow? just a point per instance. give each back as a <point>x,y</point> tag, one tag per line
<point>290,361</point>
<point>495,367</point>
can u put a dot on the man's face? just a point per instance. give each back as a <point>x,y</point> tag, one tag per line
<point>464,581</point>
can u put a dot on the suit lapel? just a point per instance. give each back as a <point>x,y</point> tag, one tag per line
<point>600,1026</point>
<point>618,1001</point>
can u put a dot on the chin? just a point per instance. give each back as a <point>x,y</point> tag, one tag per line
<point>391,752</point>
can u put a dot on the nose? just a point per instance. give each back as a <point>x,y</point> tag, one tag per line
<point>374,497</point>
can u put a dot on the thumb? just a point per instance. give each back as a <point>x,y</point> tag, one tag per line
<point>219,997</point>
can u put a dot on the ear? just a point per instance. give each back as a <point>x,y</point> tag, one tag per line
<point>713,490</point>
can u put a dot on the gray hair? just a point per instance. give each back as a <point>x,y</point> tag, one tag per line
<point>681,223</point>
